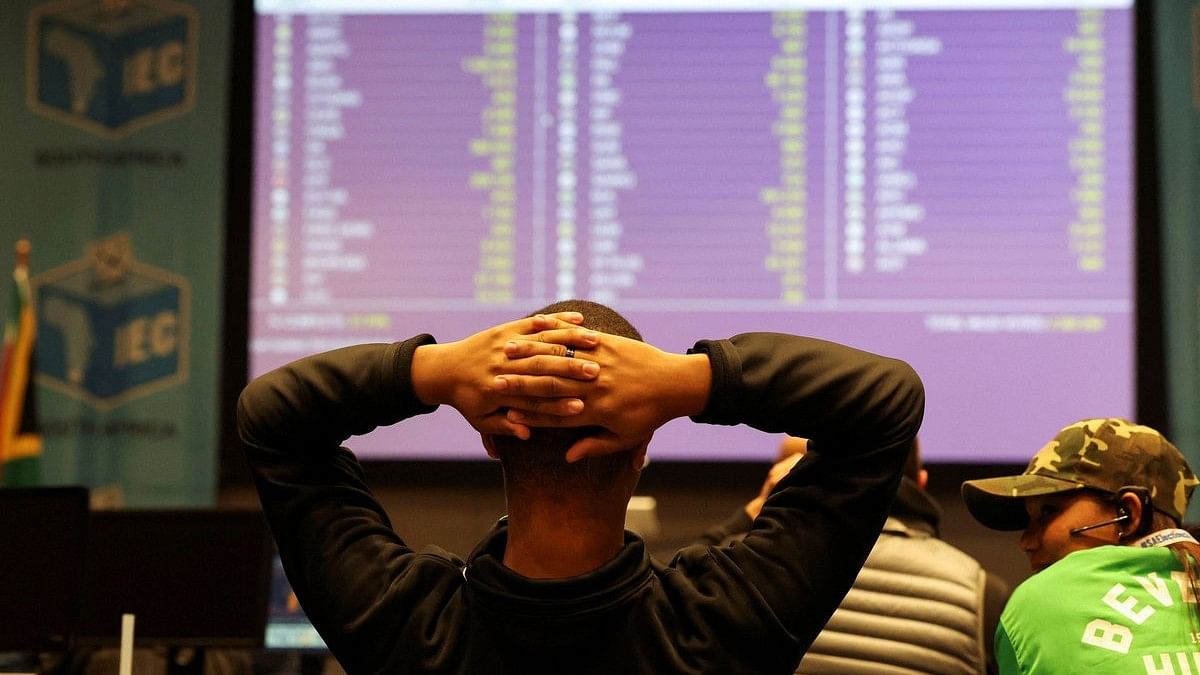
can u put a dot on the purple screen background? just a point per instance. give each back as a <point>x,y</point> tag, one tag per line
<point>948,187</point>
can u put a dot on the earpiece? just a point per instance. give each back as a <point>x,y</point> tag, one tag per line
<point>1123,515</point>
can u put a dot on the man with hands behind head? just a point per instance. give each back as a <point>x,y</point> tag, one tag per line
<point>567,401</point>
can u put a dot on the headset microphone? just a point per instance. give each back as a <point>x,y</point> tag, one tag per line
<point>1144,525</point>
<point>1124,515</point>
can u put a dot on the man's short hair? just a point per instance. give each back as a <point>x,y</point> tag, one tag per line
<point>540,462</point>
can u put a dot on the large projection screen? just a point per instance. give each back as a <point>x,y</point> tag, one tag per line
<point>946,183</point>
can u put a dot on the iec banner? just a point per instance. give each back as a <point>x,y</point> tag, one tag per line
<point>114,123</point>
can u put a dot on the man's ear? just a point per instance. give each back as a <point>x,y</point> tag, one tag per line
<point>1130,503</point>
<point>489,444</point>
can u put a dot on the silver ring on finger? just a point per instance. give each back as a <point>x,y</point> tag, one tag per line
<point>570,353</point>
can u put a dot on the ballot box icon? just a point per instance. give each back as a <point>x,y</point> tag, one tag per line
<point>111,67</point>
<point>111,330</point>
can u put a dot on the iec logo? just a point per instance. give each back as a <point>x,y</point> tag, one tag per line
<point>111,329</point>
<point>111,67</point>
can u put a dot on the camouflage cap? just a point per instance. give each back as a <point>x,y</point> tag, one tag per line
<point>1100,454</point>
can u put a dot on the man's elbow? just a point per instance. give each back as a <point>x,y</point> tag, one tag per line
<point>908,399</point>
<point>252,406</point>
<point>245,415</point>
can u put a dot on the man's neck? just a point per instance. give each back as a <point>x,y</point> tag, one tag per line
<point>553,539</point>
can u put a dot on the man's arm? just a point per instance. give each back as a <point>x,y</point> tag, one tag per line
<point>728,531</point>
<point>859,411</point>
<point>334,538</point>
<point>735,527</point>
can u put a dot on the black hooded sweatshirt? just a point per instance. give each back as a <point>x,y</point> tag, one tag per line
<point>753,607</point>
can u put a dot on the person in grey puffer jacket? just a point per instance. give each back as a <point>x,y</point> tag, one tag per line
<point>919,603</point>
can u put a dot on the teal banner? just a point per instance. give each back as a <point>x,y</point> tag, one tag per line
<point>114,122</point>
<point>1176,32</point>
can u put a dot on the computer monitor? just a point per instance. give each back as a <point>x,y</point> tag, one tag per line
<point>41,566</point>
<point>190,577</point>
<point>287,626</point>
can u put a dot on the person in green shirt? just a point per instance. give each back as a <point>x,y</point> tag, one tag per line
<point>1116,578</point>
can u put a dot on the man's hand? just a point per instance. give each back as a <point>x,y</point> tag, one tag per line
<point>471,374</point>
<point>639,388</point>
<point>776,474</point>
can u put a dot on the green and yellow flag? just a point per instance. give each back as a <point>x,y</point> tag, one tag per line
<point>20,441</point>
